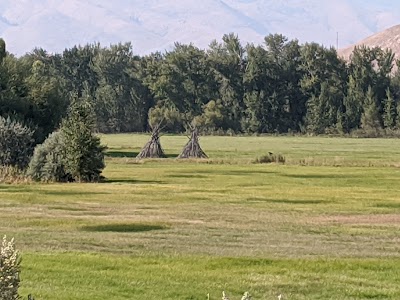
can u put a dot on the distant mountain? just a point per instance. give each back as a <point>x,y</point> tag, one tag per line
<point>387,39</point>
<point>156,24</point>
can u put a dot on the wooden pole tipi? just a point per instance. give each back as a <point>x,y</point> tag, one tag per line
<point>192,149</point>
<point>153,147</point>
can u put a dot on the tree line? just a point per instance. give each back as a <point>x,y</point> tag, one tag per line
<point>279,86</point>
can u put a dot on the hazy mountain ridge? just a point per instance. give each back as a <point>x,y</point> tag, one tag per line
<point>387,39</point>
<point>157,24</point>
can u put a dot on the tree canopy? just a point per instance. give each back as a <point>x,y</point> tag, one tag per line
<point>279,86</point>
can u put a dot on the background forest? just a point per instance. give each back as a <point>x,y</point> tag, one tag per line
<point>278,87</point>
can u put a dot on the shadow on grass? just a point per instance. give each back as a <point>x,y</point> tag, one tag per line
<point>134,181</point>
<point>320,176</point>
<point>16,189</point>
<point>235,172</point>
<point>66,208</point>
<point>133,154</point>
<point>120,154</point>
<point>286,201</point>
<point>388,205</point>
<point>138,227</point>
<point>187,176</point>
<point>71,193</point>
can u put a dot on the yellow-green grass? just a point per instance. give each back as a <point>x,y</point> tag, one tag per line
<point>297,150</point>
<point>326,228</point>
<point>100,276</point>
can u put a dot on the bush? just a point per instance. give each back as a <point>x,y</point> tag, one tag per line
<point>270,158</point>
<point>72,154</point>
<point>48,160</point>
<point>9,271</point>
<point>16,143</point>
<point>84,155</point>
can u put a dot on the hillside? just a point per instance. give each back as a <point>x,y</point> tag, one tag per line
<point>156,24</point>
<point>387,39</point>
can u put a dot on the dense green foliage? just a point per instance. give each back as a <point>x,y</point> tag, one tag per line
<point>278,87</point>
<point>74,153</point>
<point>84,155</point>
<point>48,161</point>
<point>16,143</point>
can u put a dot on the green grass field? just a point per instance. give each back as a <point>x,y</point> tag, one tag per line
<point>323,226</point>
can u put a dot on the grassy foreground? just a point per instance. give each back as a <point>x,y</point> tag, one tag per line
<point>323,226</point>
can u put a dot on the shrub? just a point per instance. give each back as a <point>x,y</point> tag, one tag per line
<point>270,158</point>
<point>84,155</point>
<point>9,271</point>
<point>48,160</point>
<point>72,154</point>
<point>16,143</point>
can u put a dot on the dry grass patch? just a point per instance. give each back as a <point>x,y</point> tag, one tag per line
<point>371,219</point>
<point>13,175</point>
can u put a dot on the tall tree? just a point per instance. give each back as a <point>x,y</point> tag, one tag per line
<point>284,74</point>
<point>184,80</point>
<point>324,78</point>
<point>257,89</point>
<point>372,67</point>
<point>2,49</point>
<point>322,113</point>
<point>370,118</point>
<point>84,155</point>
<point>120,96</point>
<point>77,68</point>
<point>13,92</point>
<point>228,62</point>
<point>389,116</point>
<point>353,104</point>
<point>47,98</point>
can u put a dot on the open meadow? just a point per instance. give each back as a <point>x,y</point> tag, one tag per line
<point>325,225</point>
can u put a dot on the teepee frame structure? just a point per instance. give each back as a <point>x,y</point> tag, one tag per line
<point>153,148</point>
<point>192,148</point>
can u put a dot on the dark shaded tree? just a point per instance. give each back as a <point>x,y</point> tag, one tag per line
<point>2,49</point>
<point>228,63</point>
<point>370,119</point>
<point>46,97</point>
<point>389,111</point>
<point>120,95</point>
<point>323,84</point>
<point>16,143</point>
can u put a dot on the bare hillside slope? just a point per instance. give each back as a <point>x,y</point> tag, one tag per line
<point>387,39</point>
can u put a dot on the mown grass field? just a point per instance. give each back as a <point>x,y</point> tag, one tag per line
<point>323,226</point>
